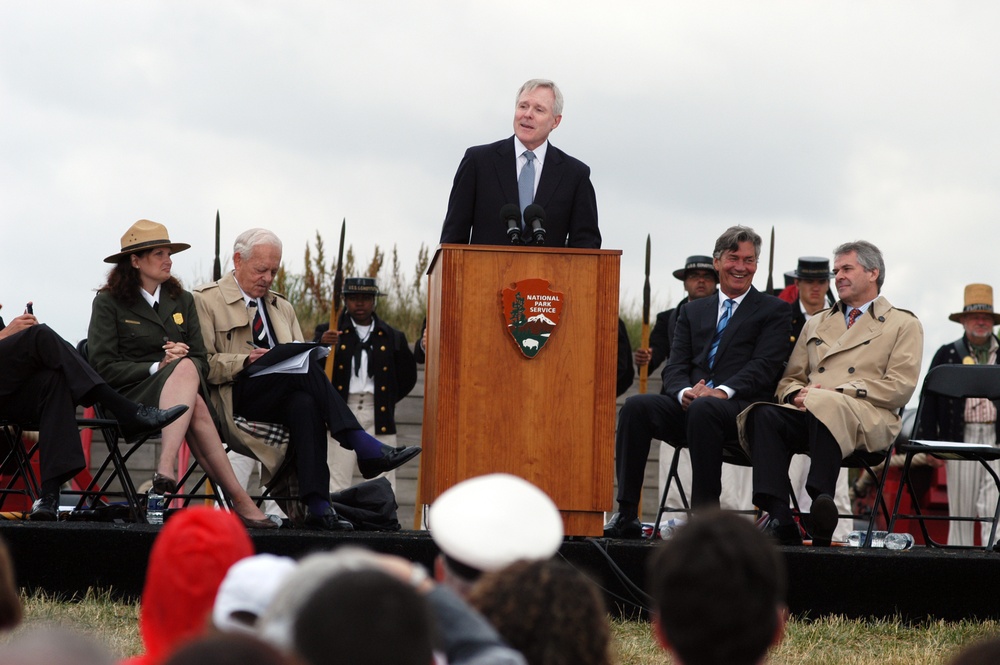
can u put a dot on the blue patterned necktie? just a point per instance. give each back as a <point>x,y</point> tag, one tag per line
<point>723,322</point>
<point>526,183</point>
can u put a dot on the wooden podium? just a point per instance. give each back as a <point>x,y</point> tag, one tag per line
<point>489,407</point>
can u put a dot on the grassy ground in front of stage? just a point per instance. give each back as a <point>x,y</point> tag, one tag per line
<point>827,640</point>
<point>836,641</point>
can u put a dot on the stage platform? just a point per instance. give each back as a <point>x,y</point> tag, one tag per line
<point>67,558</point>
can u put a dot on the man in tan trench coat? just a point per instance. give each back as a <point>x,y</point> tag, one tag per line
<point>852,369</point>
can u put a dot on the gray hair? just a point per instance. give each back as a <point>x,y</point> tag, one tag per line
<point>276,625</point>
<point>248,240</point>
<point>869,258</point>
<point>557,106</point>
<point>731,238</point>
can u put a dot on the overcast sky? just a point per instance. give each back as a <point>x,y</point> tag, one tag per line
<point>829,121</point>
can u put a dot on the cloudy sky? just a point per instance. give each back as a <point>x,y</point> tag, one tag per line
<point>829,121</point>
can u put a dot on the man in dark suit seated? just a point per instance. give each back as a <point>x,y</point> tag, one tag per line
<point>522,170</point>
<point>42,379</point>
<point>727,352</point>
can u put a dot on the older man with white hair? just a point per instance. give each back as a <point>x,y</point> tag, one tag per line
<point>242,322</point>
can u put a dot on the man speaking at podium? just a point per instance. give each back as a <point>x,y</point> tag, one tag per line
<point>521,171</point>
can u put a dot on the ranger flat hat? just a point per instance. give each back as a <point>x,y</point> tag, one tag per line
<point>978,298</point>
<point>364,286</point>
<point>811,267</point>
<point>696,262</point>
<point>489,522</point>
<point>144,235</point>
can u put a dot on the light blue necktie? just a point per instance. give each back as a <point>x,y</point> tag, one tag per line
<point>723,322</point>
<point>526,183</point>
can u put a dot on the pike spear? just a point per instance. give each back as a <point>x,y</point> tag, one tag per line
<point>335,306</point>
<point>644,370</point>
<point>217,267</point>
<point>770,266</point>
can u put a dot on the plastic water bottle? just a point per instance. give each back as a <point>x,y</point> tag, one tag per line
<point>667,530</point>
<point>899,541</point>
<point>155,506</point>
<point>857,538</point>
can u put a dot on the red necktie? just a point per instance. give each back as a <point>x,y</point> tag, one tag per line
<point>259,334</point>
<point>853,316</point>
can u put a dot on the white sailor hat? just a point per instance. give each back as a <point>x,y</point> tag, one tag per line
<point>489,522</point>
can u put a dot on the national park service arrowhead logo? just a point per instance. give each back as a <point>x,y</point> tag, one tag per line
<point>531,312</point>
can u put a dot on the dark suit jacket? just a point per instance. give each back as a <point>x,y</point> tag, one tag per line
<point>751,354</point>
<point>487,180</point>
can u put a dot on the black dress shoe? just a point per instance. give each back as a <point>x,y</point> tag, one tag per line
<point>45,508</point>
<point>390,459</point>
<point>328,521</point>
<point>823,520</point>
<point>148,420</point>
<point>619,527</point>
<point>784,534</point>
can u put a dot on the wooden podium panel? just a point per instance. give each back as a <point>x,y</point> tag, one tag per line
<point>488,408</point>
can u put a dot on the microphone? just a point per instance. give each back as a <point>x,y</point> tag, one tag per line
<point>534,216</point>
<point>510,215</point>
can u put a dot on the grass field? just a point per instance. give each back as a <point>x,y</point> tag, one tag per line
<point>824,641</point>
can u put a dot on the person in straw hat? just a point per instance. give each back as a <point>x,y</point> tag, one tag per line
<point>145,339</point>
<point>973,420</point>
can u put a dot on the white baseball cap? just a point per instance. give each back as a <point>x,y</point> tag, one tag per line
<point>247,590</point>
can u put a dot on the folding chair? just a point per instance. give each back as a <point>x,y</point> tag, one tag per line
<point>733,453</point>
<point>114,467</point>
<point>16,465</point>
<point>951,382</point>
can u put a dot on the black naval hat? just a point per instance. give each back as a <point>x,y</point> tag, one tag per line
<point>360,286</point>
<point>696,262</point>
<point>811,267</point>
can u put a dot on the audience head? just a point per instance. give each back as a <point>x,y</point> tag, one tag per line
<point>365,617</point>
<point>984,652</point>
<point>227,649</point>
<point>247,590</point>
<point>54,645</point>
<point>548,611</point>
<point>187,564</point>
<point>275,625</point>
<point>717,576</point>
<point>10,599</point>
<point>489,522</point>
